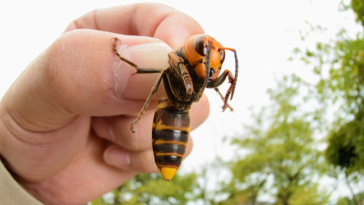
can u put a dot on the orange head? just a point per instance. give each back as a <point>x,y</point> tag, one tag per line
<point>196,48</point>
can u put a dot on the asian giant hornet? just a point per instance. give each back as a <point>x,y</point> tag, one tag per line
<point>192,68</point>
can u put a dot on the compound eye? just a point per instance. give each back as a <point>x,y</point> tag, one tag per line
<point>222,55</point>
<point>201,46</point>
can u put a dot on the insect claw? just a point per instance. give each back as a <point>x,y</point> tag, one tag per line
<point>223,108</point>
<point>115,39</point>
<point>131,128</point>
<point>227,106</point>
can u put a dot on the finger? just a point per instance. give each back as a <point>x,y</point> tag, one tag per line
<point>199,112</point>
<point>147,19</point>
<point>25,150</point>
<point>121,158</point>
<point>81,75</point>
<point>142,161</point>
<point>84,172</point>
<point>117,129</point>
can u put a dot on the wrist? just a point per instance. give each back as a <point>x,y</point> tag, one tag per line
<point>11,192</point>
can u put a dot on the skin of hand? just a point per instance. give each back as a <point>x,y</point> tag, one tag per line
<point>65,122</point>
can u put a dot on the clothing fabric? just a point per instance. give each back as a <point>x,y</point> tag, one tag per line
<point>11,193</point>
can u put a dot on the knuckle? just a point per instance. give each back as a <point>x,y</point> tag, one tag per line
<point>61,56</point>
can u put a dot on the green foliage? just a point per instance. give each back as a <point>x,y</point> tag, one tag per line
<point>346,145</point>
<point>347,201</point>
<point>346,70</point>
<point>285,152</point>
<point>339,65</point>
<point>358,7</point>
<point>153,189</point>
<point>343,201</point>
<point>345,59</point>
<point>311,195</point>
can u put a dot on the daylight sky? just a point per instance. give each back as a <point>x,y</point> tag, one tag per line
<point>263,32</point>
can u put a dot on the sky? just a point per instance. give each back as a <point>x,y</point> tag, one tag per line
<point>264,33</point>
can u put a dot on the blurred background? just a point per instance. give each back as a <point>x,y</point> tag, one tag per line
<point>296,135</point>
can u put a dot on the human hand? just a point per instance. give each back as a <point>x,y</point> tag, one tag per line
<point>64,123</point>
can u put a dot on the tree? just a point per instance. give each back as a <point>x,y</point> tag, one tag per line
<point>283,158</point>
<point>358,7</point>
<point>340,67</point>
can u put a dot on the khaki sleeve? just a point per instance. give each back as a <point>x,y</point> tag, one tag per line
<point>11,192</point>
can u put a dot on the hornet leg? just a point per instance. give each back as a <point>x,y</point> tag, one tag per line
<point>223,99</point>
<point>219,81</point>
<point>141,70</point>
<point>154,89</point>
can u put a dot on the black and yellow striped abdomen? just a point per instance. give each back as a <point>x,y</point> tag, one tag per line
<point>171,128</point>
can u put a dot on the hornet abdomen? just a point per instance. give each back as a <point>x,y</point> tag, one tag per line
<point>171,128</point>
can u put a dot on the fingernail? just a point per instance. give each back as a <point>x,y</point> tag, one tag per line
<point>111,132</point>
<point>116,156</point>
<point>148,55</point>
<point>102,127</point>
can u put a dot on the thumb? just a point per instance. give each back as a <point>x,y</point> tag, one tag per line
<point>79,74</point>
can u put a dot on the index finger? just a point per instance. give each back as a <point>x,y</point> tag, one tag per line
<point>146,19</point>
